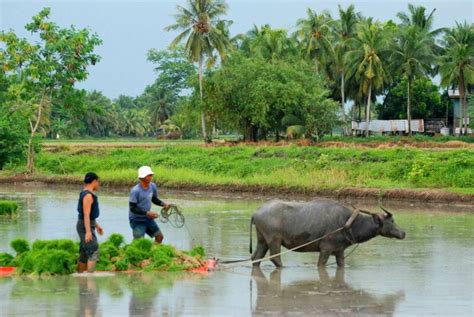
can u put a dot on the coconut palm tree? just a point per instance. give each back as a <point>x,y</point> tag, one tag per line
<point>412,56</point>
<point>457,63</point>
<point>417,16</point>
<point>344,30</point>
<point>202,31</point>
<point>367,60</point>
<point>314,34</point>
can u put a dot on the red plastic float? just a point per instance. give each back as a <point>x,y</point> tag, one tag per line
<point>209,265</point>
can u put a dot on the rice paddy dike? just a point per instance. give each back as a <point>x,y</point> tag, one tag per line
<point>407,171</point>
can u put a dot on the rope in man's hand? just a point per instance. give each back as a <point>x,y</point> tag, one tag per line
<point>173,215</point>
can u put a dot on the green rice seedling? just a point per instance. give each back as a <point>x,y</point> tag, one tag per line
<point>116,239</point>
<point>8,208</point>
<point>20,246</point>
<point>46,261</point>
<point>198,251</point>
<point>6,259</point>
<point>58,244</point>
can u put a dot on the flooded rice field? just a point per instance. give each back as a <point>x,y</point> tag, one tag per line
<point>428,273</point>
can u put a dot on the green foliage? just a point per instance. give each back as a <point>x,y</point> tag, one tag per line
<point>8,207</point>
<point>20,246</point>
<point>426,101</point>
<point>277,90</point>
<point>295,131</point>
<point>13,137</point>
<point>6,259</point>
<point>278,166</point>
<point>38,73</point>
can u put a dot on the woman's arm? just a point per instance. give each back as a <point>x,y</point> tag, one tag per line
<point>86,210</point>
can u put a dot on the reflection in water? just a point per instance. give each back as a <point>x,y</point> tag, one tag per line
<point>95,295</point>
<point>325,297</point>
<point>88,296</point>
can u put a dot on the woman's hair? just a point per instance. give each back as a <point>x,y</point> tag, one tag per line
<point>90,177</point>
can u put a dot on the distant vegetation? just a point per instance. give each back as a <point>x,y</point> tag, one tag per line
<point>265,84</point>
<point>283,167</point>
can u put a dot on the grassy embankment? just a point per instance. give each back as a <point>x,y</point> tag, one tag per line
<point>352,171</point>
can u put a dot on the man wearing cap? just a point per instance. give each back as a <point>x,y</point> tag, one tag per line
<point>140,215</point>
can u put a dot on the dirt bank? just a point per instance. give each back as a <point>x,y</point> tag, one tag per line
<point>422,195</point>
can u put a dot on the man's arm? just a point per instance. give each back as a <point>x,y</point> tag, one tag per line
<point>156,200</point>
<point>135,209</point>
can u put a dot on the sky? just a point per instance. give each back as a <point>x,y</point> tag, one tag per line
<point>130,28</point>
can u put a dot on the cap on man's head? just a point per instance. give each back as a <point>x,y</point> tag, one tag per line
<point>90,177</point>
<point>144,171</point>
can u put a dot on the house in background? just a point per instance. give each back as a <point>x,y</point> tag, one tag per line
<point>456,102</point>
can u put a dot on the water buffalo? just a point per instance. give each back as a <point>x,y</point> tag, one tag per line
<point>292,224</point>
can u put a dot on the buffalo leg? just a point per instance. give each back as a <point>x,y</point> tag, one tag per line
<point>261,249</point>
<point>275,248</point>
<point>340,258</point>
<point>323,258</point>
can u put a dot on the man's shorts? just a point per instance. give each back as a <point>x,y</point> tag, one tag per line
<point>88,251</point>
<point>141,227</point>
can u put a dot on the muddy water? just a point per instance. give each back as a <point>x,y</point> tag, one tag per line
<point>428,273</point>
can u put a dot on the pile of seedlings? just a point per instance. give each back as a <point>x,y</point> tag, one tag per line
<point>60,256</point>
<point>8,208</point>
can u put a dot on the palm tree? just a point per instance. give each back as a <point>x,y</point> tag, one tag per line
<point>367,60</point>
<point>412,56</point>
<point>418,17</point>
<point>457,63</point>
<point>314,32</point>
<point>160,108</point>
<point>344,30</point>
<point>202,30</point>
<point>271,44</point>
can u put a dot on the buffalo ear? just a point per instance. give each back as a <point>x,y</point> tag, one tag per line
<point>377,219</point>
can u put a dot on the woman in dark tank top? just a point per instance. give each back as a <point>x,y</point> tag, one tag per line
<point>88,211</point>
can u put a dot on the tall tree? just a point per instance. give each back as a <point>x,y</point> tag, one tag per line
<point>344,31</point>
<point>201,29</point>
<point>412,56</point>
<point>367,60</point>
<point>314,32</point>
<point>47,68</point>
<point>457,64</point>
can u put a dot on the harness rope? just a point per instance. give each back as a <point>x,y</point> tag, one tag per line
<point>173,215</point>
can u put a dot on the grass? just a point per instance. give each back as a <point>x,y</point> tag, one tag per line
<point>288,167</point>
<point>413,139</point>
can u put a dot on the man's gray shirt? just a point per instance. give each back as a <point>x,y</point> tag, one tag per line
<point>142,197</point>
